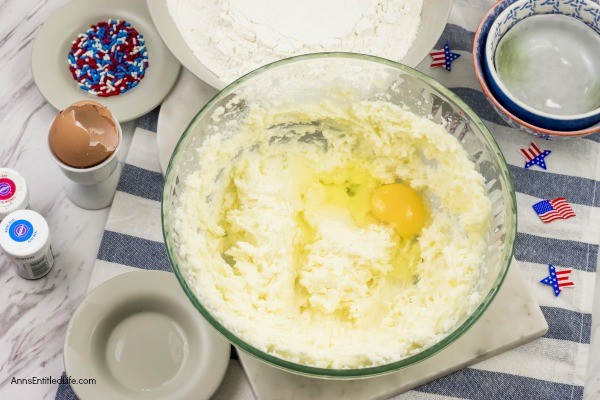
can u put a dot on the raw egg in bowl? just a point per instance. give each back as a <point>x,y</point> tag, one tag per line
<point>339,215</point>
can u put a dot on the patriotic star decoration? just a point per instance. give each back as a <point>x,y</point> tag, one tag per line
<point>550,210</point>
<point>535,156</point>
<point>558,279</point>
<point>443,58</point>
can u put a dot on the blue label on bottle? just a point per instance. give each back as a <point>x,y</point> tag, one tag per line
<point>21,230</point>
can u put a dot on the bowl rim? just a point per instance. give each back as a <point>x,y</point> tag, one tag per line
<point>418,51</point>
<point>486,90</point>
<point>490,60</point>
<point>510,208</point>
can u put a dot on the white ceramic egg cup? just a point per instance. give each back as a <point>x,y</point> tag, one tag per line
<point>92,188</point>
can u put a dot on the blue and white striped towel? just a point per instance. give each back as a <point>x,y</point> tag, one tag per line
<point>553,366</point>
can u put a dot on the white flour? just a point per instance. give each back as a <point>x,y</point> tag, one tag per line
<point>233,37</point>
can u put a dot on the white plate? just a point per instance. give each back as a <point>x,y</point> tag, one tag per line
<point>433,21</point>
<point>140,337</point>
<point>53,41</point>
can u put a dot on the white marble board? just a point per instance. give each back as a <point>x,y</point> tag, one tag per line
<point>514,318</point>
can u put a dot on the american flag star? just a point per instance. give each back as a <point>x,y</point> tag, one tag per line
<point>558,279</point>
<point>443,58</point>
<point>535,156</point>
<point>550,210</point>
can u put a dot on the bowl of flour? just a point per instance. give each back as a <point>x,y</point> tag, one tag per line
<point>281,215</point>
<point>220,41</point>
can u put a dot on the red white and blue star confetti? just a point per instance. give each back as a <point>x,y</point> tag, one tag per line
<point>558,279</point>
<point>443,58</point>
<point>550,210</point>
<point>109,59</point>
<point>535,156</point>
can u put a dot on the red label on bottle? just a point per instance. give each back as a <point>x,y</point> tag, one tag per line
<point>7,189</point>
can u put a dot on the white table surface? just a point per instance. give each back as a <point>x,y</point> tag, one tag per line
<point>34,314</point>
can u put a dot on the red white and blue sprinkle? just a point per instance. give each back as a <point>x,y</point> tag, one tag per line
<point>443,58</point>
<point>535,156</point>
<point>550,210</point>
<point>109,59</point>
<point>558,279</point>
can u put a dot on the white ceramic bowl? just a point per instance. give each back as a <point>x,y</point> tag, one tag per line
<point>140,338</point>
<point>542,63</point>
<point>434,16</point>
<point>53,41</point>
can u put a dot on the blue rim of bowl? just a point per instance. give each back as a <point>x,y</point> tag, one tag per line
<point>510,209</point>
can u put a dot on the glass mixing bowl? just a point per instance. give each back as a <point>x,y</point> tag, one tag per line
<point>321,76</point>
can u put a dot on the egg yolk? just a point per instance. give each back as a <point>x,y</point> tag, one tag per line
<point>400,206</point>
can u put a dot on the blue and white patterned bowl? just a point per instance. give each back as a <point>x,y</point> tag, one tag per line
<point>478,60</point>
<point>570,80</point>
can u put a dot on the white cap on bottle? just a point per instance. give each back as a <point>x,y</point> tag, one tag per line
<point>14,194</point>
<point>25,238</point>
